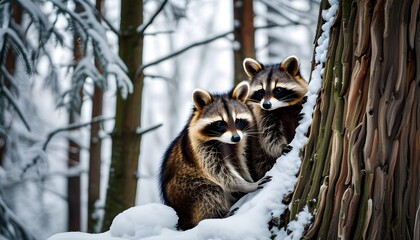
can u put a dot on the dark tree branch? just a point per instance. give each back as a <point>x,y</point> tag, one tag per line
<point>9,97</point>
<point>102,17</point>
<point>158,32</point>
<point>274,25</point>
<point>13,229</point>
<point>141,131</point>
<point>171,55</point>
<point>73,127</point>
<point>158,76</point>
<point>143,27</point>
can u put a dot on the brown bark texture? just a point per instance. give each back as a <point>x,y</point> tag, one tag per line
<point>243,31</point>
<point>121,192</point>
<point>360,173</point>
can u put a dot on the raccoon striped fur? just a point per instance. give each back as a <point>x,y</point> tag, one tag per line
<point>275,99</point>
<point>206,164</point>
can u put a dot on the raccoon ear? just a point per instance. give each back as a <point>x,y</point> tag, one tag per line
<point>201,98</point>
<point>252,67</point>
<point>241,91</point>
<point>291,65</point>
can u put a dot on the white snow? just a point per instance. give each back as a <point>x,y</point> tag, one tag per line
<point>143,221</point>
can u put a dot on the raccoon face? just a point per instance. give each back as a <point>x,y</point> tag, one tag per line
<point>275,86</point>
<point>224,118</point>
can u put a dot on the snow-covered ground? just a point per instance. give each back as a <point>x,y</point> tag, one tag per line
<point>156,221</point>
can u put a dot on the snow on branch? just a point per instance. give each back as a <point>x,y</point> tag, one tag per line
<point>39,18</point>
<point>11,227</point>
<point>93,34</point>
<point>73,127</point>
<point>15,105</point>
<point>7,35</point>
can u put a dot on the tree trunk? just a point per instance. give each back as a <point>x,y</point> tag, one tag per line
<point>243,31</point>
<point>95,156</point>
<point>73,182</point>
<point>125,141</point>
<point>360,173</point>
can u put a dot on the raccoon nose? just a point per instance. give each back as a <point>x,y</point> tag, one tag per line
<point>266,105</point>
<point>236,138</point>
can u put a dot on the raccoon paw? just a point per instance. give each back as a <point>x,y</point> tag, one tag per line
<point>263,181</point>
<point>287,149</point>
<point>300,116</point>
<point>304,99</point>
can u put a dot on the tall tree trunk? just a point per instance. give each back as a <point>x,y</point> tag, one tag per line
<point>95,156</point>
<point>243,31</point>
<point>125,141</point>
<point>360,174</point>
<point>73,182</point>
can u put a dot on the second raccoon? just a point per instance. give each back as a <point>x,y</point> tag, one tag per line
<point>206,164</point>
<point>275,99</point>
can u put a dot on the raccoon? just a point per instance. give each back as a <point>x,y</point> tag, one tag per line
<point>206,165</point>
<point>275,98</point>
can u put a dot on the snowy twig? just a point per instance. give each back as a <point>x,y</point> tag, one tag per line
<point>73,127</point>
<point>158,32</point>
<point>7,76</point>
<point>102,17</point>
<point>142,67</point>
<point>11,227</point>
<point>9,97</point>
<point>70,173</point>
<point>141,131</point>
<point>273,25</point>
<point>140,29</point>
<point>158,76</point>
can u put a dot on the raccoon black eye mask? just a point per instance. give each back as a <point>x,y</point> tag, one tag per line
<point>277,92</point>
<point>206,164</point>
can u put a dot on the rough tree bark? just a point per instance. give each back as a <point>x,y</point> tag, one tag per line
<point>122,184</point>
<point>243,31</point>
<point>360,173</point>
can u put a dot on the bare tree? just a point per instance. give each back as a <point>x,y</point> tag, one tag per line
<point>73,182</point>
<point>122,184</point>
<point>243,31</point>
<point>95,155</point>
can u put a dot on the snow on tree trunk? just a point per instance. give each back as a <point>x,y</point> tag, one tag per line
<point>360,172</point>
<point>122,185</point>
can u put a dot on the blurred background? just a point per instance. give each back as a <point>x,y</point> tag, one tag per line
<point>67,67</point>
